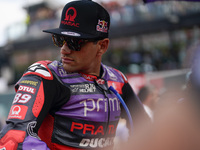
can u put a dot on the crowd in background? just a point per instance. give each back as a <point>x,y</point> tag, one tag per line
<point>164,50</point>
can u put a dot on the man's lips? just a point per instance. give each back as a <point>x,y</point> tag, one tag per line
<point>67,60</point>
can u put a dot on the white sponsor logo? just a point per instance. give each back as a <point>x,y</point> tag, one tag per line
<point>26,89</point>
<point>114,104</point>
<point>83,88</point>
<point>71,33</point>
<point>97,142</point>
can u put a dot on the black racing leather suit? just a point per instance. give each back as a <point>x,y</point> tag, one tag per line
<point>54,109</point>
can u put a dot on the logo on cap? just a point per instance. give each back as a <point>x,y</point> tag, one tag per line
<point>70,16</point>
<point>102,26</point>
<point>71,33</point>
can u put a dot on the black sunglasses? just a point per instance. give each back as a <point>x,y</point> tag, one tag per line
<point>72,43</point>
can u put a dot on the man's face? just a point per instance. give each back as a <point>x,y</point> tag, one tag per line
<point>85,60</point>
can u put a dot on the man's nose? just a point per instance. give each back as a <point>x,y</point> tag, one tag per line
<point>65,49</point>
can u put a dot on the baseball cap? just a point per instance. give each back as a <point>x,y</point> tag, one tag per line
<point>83,19</point>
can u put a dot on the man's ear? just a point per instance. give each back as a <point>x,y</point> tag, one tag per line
<point>103,46</point>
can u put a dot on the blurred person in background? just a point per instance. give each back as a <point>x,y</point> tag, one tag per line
<point>2,116</point>
<point>176,124</point>
<point>68,104</point>
<point>149,96</point>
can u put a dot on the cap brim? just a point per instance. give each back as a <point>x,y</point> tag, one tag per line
<point>70,33</point>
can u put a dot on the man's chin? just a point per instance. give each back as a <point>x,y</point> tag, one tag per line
<point>69,68</point>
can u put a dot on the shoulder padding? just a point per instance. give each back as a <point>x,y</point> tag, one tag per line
<point>41,69</point>
<point>123,76</point>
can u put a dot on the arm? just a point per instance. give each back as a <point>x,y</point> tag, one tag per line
<point>24,113</point>
<point>139,116</point>
<point>35,98</point>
